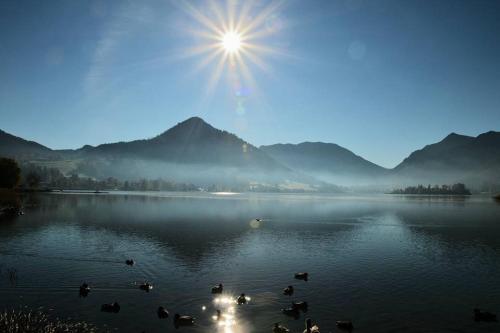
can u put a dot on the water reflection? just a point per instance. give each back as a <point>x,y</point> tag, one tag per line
<point>388,263</point>
<point>225,318</point>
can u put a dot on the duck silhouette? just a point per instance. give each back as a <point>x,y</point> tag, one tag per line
<point>480,315</point>
<point>183,320</point>
<point>146,286</point>
<point>111,307</point>
<point>162,312</point>
<point>280,328</point>
<point>288,291</point>
<point>217,289</point>
<point>300,306</point>
<point>302,276</point>
<point>344,325</point>
<point>241,299</point>
<point>291,312</point>
<point>84,290</point>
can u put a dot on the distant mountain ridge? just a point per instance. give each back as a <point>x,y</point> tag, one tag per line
<point>19,148</point>
<point>191,151</point>
<point>194,148</point>
<point>455,158</point>
<point>190,142</point>
<point>326,161</point>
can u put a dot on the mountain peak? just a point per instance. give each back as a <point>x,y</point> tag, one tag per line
<point>489,134</point>
<point>454,139</point>
<point>190,128</point>
<point>192,122</point>
<point>194,119</point>
<point>454,135</point>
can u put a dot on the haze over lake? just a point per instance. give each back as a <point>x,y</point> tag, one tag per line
<point>389,263</point>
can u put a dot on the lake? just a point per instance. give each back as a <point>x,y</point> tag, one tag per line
<point>388,263</point>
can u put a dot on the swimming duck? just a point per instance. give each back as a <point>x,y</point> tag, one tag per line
<point>84,290</point>
<point>258,220</point>
<point>130,262</point>
<point>344,324</point>
<point>112,307</point>
<point>300,306</point>
<point>183,320</point>
<point>302,276</point>
<point>310,328</point>
<point>241,299</point>
<point>10,211</point>
<point>480,315</point>
<point>280,329</point>
<point>217,289</point>
<point>162,312</point>
<point>291,312</point>
<point>146,286</point>
<point>288,291</point>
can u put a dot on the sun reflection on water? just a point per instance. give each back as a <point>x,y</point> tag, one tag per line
<point>226,319</point>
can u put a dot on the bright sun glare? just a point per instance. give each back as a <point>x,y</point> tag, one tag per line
<point>231,41</point>
<point>235,36</point>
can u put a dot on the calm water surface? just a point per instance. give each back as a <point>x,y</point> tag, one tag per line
<point>389,263</point>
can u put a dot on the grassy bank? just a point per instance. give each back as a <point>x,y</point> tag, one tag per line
<point>28,321</point>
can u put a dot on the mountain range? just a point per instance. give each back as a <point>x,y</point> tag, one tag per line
<point>327,162</point>
<point>467,159</point>
<point>195,151</point>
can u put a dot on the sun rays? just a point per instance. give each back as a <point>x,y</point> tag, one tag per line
<point>231,38</point>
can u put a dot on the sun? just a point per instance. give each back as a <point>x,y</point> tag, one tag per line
<point>234,38</point>
<point>231,41</point>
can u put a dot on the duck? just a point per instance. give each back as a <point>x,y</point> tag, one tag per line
<point>162,312</point>
<point>217,289</point>
<point>302,276</point>
<point>84,290</point>
<point>300,306</point>
<point>310,328</point>
<point>241,299</point>
<point>291,312</point>
<point>280,328</point>
<point>344,324</point>
<point>288,291</point>
<point>10,211</point>
<point>146,286</point>
<point>258,220</point>
<point>183,320</point>
<point>480,315</point>
<point>111,307</point>
<point>130,262</point>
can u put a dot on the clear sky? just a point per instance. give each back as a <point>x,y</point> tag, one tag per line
<point>380,77</point>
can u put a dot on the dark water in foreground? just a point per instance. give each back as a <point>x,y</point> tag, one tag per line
<point>391,264</point>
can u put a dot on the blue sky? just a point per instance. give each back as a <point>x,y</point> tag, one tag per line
<point>381,78</point>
